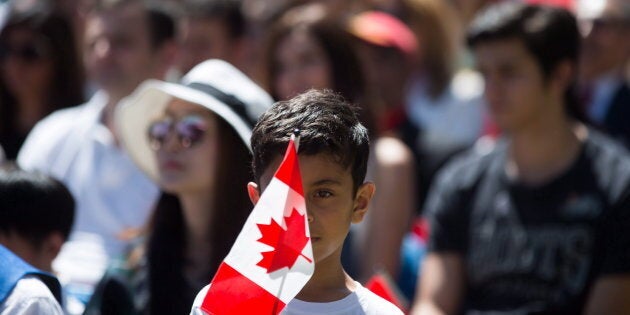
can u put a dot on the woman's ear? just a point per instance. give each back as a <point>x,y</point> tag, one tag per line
<point>362,201</point>
<point>253,192</point>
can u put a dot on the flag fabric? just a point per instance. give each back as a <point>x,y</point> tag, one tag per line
<point>382,285</point>
<point>272,258</point>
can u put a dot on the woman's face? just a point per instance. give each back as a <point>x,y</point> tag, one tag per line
<point>301,64</point>
<point>26,63</point>
<point>186,143</point>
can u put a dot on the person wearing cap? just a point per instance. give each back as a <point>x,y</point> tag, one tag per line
<point>387,48</point>
<point>192,139</point>
<point>604,61</point>
<point>306,49</point>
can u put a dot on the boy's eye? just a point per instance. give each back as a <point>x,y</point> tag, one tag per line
<point>323,194</point>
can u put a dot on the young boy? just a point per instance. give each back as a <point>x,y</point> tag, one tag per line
<point>333,154</point>
<point>539,224</point>
<point>36,215</point>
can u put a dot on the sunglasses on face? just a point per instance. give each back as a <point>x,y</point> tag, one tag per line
<point>27,52</point>
<point>189,131</point>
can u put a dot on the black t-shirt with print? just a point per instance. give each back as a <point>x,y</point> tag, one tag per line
<point>534,250</point>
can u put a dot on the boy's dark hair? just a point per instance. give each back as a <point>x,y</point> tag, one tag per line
<point>550,34</point>
<point>327,123</point>
<point>227,11</point>
<point>34,205</point>
<point>160,17</point>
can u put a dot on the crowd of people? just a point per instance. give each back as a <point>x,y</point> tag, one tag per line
<point>136,134</point>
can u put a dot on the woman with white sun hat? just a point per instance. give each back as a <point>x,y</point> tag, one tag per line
<point>192,139</point>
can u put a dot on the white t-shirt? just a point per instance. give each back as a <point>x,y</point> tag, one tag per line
<point>112,194</point>
<point>456,117</point>
<point>360,302</point>
<point>30,297</point>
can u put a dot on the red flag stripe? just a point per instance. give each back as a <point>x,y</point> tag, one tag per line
<point>231,293</point>
<point>289,170</point>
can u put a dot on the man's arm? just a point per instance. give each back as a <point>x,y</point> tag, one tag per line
<point>610,295</point>
<point>441,285</point>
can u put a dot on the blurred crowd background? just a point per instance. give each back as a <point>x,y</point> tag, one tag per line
<point>403,62</point>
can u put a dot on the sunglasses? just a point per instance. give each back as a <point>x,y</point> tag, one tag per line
<point>28,52</point>
<point>189,130</point>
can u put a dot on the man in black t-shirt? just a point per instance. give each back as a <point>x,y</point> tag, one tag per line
<point>540,224</point>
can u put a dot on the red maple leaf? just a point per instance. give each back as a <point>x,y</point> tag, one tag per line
<point>288,243</point>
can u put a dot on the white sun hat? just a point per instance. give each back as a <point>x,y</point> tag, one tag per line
<point>213,84</point>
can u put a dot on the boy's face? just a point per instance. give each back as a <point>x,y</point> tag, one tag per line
<point>330,202</point>
<point>515,89</point>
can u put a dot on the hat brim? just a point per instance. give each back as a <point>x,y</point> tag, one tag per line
<point>136,112</point>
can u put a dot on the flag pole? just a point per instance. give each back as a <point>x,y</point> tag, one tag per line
<point>295,136</point>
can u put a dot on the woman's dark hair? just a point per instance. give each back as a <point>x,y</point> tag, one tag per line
<point>337,44</point>
<point>67,84</point>
<point>169,291</point>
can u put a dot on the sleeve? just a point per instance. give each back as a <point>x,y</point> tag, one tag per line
<point>445,213</point>
<point>617,238</point>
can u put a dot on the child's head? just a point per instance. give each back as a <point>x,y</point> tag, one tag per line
<point>36,215</point>
<point>333,153</point>
<point>327,124</point>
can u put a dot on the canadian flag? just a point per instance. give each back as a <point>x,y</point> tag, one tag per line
<point>272,258</point>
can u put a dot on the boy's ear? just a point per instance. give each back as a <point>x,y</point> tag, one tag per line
<point>52,245</point>
<point>362,201</point>
<point>253,192</point>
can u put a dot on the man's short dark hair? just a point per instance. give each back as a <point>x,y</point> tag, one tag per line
<point>160,17</point>
<point>327,123</point>
<point>34,205</point>
<point>228,12</point>
<point>549,33</point>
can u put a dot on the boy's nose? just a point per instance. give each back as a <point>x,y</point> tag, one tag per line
<point>309,217</point>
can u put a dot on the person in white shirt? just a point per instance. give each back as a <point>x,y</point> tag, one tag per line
<point>126,42</point>
<point>30,296</point>
<point>333,156</point>
<point>359,302</point>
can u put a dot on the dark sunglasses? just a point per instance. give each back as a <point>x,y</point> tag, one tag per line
<point>27,52</point>
<point>189,130</point>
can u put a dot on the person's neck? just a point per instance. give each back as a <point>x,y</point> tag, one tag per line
<point>544,149</point>
<point>107,115</point>
<point>31,109</point>
<point>329,282</point>
<point>197,212</point>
